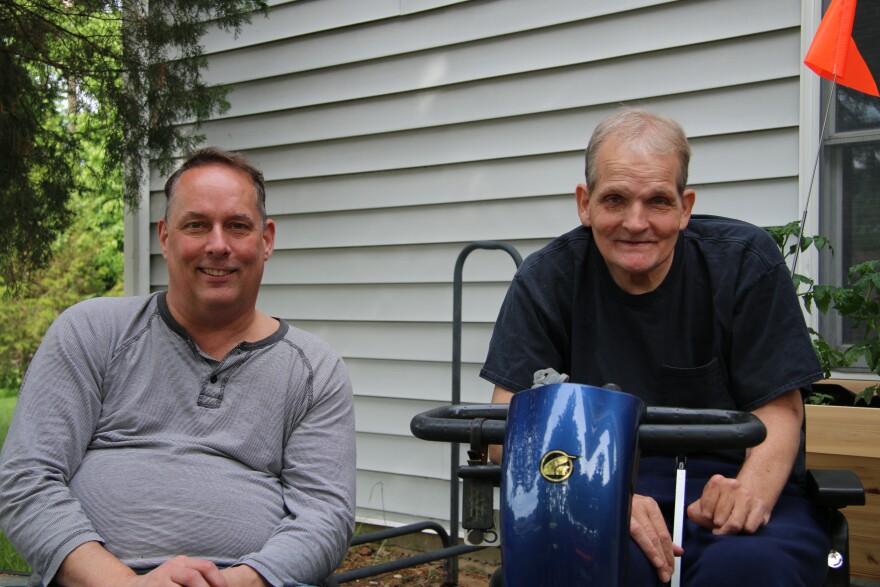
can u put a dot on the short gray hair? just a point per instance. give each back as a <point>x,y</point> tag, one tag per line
<point>645,131</point>
<point>218,156</point>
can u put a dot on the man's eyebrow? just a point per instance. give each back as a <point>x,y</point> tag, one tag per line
<point>664,193</point>
<point>198,215</point>
<point>241,217</point>
<point>191,214</point>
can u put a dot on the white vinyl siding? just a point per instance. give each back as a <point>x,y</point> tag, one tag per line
<point>394,132</point>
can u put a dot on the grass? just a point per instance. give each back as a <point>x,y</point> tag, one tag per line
<point>10,560</point>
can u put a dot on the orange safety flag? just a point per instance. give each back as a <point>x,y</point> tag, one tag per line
<point>839,49</point>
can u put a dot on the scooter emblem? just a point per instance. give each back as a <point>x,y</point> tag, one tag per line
<point>557,466</point>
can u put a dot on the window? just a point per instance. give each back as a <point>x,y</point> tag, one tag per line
<point>850,186</point>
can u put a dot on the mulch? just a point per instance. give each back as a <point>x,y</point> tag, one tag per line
<point>472,572</point>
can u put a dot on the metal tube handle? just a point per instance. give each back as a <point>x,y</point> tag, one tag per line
<point>661,429</point>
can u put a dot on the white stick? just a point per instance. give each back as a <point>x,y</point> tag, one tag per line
<point>678,520</point>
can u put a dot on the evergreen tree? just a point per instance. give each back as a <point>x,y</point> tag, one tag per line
<point>125,78</point>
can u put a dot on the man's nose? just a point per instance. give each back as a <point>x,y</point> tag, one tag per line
<point>636,217</point>
<point>217,243</point>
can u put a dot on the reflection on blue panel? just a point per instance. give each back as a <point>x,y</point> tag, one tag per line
<point>569,526</point>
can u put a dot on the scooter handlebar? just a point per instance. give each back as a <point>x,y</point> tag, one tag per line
<point>661,429</point>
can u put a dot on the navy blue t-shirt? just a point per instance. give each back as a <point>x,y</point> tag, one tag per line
<point>723,330</point>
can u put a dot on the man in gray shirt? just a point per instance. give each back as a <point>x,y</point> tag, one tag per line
<point>184,438</point>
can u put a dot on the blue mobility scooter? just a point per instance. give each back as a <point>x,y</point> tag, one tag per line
<point>567,475</point>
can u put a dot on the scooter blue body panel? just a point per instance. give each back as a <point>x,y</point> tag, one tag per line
<point>567,473</point>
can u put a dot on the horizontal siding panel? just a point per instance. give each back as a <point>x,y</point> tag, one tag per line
<point>425,380</point>
<point>401,341</point>
<point>403,51</point>
<point>403,264</point>
<point>764,203</point>
<point>407,455</point>
<point>296,19</point>
<point>388,419</point>
<point>738,109</point>
<point>766,155</point>
<point>390,416</point>
<point>531,218</point>
<point>690,69</point>
<point>289,20</point>
<point>414,6</point>
<point>385,303</point>
<point>498,179</point>
<point>401,498</point>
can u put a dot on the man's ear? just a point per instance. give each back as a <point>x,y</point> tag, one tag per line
<point>268,239</point>
<point>688,198</point>
<point>163,234</point>
<point>582,194</point>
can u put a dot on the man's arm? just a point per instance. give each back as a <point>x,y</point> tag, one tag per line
<point>499,396</point>
<point>744,504</point>
<point>318,484</point>
<point>55,417</point>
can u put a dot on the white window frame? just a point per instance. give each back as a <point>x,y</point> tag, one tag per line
<point>824,216</point>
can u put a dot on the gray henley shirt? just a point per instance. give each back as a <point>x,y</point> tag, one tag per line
<point>127,434</point>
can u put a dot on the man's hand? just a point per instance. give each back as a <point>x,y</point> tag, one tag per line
<point>181,570</point>
<point>243,576</point>
<point>744,504</point>
<point>727,506</point>
<point>91,565</point>
<point>648,528</point>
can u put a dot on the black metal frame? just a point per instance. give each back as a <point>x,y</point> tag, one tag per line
<point>836,489</point>
<point>450,550</point>
<point>457,285</point>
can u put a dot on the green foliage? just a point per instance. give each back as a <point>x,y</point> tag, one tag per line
<point>786,238</point>
<point>86,261</point>
<point>125,80</point>
<point>790,241</point>
<point>819,399</point>
<point>857,301</point>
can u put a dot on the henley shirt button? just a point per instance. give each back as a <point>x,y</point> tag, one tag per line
<point>213,379</point>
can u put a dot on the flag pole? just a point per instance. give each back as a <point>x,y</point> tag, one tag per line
<point>797,249</point>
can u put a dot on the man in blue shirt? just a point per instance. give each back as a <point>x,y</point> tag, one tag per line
<point>679,310</point>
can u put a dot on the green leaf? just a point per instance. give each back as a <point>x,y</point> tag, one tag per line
<point>823,295</point>
<point>866,395</point>
<point>819,399</point>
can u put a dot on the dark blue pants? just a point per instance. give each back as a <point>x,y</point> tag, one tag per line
<point>790,551</point>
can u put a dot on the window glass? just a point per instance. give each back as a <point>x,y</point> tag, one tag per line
<point>855,110</point>
<point>860,187</point>
<point>850,186</point>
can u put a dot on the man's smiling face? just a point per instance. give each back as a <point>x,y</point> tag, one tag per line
<point>214,242</point>
<point>636,213</point>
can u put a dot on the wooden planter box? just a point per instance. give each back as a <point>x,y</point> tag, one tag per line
<point>849,438</point>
